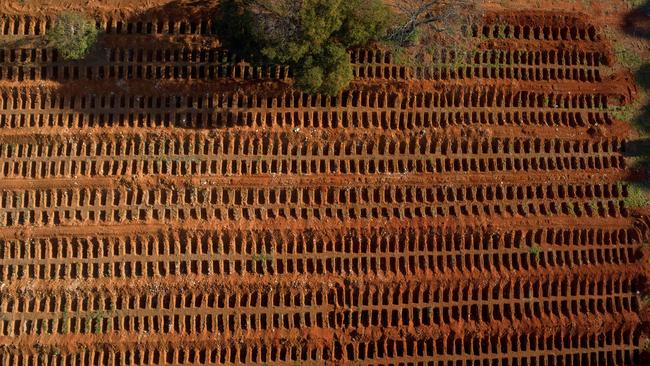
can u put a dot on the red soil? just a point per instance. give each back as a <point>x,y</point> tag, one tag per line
<point>161,205</point>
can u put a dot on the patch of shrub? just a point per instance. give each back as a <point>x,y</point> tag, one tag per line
<point>73,35</point>
<point>311,36</point>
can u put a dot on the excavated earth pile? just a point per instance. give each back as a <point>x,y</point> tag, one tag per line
<point>161,205</point>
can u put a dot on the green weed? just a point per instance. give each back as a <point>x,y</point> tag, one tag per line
<point>502,31</point>
<point>262,257</point>
<point>96,318</point>
<point>64,319</point>
<point>535,251</point>
<point>627,58</point>
<point>624,113</point>
<point>637,195</point>
<point>576,208</point>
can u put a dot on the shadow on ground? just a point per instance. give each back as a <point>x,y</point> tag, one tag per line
<point>637,24</point>
<point>642,77</point>
<point>155,56</point>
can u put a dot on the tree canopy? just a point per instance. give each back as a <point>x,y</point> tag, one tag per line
<point>72,35</point>
<point>311,36</point>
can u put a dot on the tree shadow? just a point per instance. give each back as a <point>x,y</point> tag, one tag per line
<point>169,55</point>
<point>637,24</point>
<point>642,77</point>
<point>638,148</point>
<point>638,152</point>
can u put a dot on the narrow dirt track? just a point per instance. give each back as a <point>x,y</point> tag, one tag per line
<point>162,205</point>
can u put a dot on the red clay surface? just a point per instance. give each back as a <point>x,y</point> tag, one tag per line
<point>160,205</point>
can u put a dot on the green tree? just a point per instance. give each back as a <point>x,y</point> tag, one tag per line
<point>327,72</point>
<point>311,36</point>
<point>366,21</point>
<point>73,35</point>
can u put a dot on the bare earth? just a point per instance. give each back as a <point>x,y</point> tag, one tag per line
<point>161,205</point>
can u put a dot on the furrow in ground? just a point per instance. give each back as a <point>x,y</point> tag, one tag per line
<point>581,325</point>
<point>318,180</point>
<point>246,283</point>
<point>329,225</point>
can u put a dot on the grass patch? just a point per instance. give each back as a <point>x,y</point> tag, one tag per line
<point>631,60</point>
<point>535,251</point>
<point>625,113</point>
<point>624,56</point>
<point>638,195</point>
<point>638,112</point>
<point>636,3</point>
